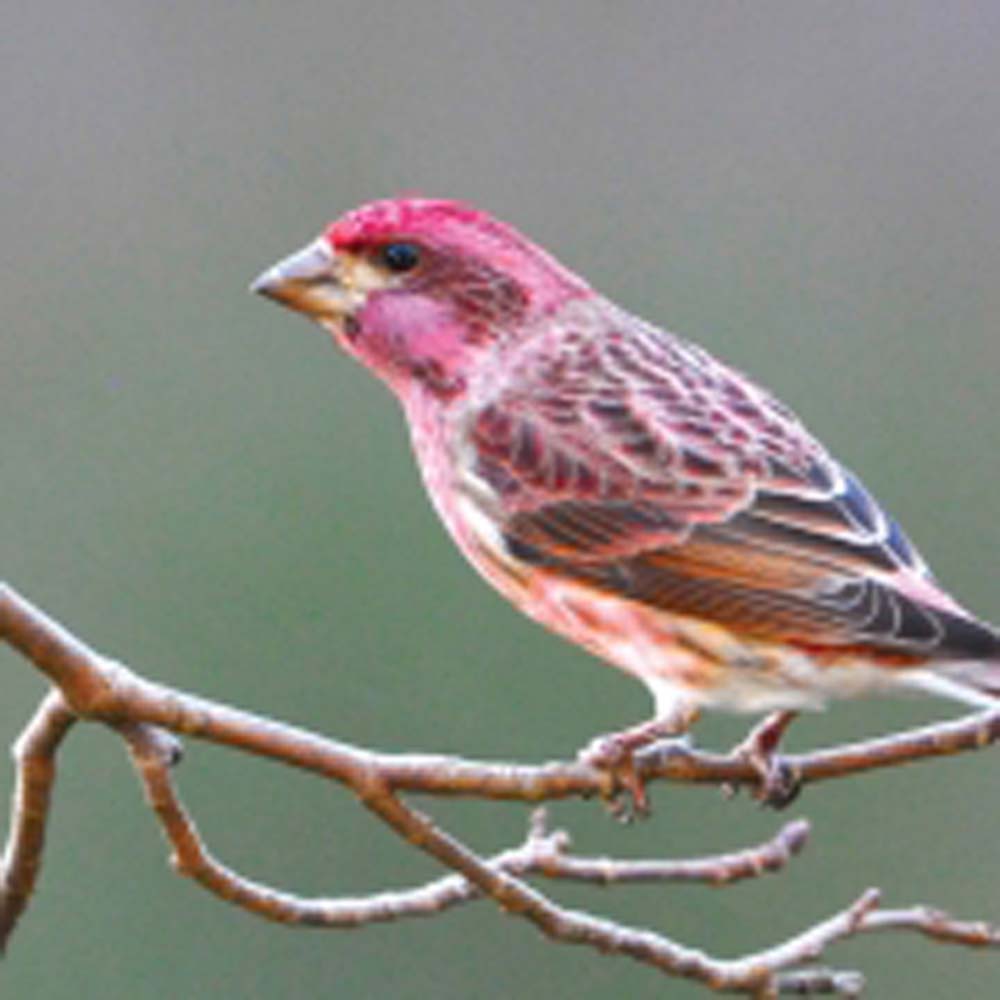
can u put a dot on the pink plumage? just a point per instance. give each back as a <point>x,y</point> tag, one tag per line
<point>622,486</point>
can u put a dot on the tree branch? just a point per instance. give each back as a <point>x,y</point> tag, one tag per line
<point>34,755</point>
<point>89,686</point>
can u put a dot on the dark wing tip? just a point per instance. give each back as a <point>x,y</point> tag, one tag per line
<point>967,639</point>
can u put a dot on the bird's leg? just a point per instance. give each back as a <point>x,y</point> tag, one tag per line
<point>615,753</point>
<point>778,785</point>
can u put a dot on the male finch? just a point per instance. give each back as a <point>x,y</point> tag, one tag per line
<point>623,487</point>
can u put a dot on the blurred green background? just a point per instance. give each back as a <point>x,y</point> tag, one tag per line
<point>197,483</point>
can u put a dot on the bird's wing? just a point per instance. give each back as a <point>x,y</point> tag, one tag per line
<point>636,462</point>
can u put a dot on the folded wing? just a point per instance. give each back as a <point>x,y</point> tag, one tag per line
<point>635,462</point>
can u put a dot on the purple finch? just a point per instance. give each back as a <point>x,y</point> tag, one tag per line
<point>623,487</point>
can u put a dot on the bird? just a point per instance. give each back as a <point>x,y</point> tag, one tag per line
<point>626,489</point>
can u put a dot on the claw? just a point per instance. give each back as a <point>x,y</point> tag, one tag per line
<point>778,782</point>
<point>781,785</point>
<point>615,753</point>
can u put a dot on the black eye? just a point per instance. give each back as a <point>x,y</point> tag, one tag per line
<point>400,257</point>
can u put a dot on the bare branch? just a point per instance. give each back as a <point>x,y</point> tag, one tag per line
<point>934,924</point>
<point>543,852</point>
<point>723,869</point>
<point>145,715</point>
<point>98,688</point>
<point>192,858</point>
<point>675,762</point>
<point>34,757</point>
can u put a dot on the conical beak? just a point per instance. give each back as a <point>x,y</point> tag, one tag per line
<point>307,282</point>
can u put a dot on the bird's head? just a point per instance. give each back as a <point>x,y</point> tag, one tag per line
<point>419,289</point>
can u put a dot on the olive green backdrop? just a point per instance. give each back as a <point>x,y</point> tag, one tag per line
<point>196,482</point>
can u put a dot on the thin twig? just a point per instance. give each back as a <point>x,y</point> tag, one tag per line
<point>722,869</point>
<point>35,762</point>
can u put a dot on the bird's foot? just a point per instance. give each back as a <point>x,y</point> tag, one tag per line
<point>615,754</point>
<point>627,798</point>
<point>778,784</point>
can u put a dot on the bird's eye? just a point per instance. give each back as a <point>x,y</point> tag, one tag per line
<point>400,257</point>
